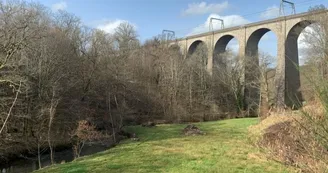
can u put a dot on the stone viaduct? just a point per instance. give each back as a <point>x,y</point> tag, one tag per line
<point>287,30</point>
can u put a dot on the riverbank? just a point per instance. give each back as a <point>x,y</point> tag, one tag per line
<point>164,148</point>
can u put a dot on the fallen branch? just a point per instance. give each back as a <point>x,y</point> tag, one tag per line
<point>11,108</point>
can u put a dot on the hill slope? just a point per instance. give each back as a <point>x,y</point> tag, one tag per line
<point>224,148</point>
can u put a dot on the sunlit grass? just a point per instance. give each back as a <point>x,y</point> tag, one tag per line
<point>224,148</point>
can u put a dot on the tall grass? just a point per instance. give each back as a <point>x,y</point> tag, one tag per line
<point>315,124</point>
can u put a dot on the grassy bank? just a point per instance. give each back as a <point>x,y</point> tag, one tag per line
<point>224,148</point>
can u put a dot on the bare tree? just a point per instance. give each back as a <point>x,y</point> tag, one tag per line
<point>267,74</point>
<point>126,37</point>
<point>315,41</point>
<point>228,73</point>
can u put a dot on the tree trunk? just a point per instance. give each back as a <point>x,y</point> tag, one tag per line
<point>52,111</point>
<point>111,118</point>
<point>39,155</point>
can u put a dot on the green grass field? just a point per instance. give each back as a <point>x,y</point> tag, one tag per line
<point>224,148</point>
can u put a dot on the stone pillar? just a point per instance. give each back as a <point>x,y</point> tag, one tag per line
<point>242,54</point>
<point>287,79</point>
<point>280,71</point>
<point>210,61</point>
<point>185,42</point>
<point>242,43</point>
<point>210,47</point>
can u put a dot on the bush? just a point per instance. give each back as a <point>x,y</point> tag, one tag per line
<point>84,132</point>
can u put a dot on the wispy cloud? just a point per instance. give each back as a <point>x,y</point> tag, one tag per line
<point>229,21</point>
<point>204,8</point>
<point>109,26</point>
<point>59,6</point>
<point>271,12</point>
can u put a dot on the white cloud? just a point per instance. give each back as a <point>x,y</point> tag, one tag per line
<point>271,12</point>
<point>204,8</point>
<point>59,6</point>
<point>109,26</point>
<point>233,45</point>
<point>229,21</point>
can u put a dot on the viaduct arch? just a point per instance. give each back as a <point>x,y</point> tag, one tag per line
<point>192,48</point>
<point>220,46</point>
<point>287,30</point>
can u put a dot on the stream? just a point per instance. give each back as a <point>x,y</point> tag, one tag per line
<point>26,165</point>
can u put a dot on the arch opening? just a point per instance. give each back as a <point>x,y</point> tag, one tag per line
<point>267,56</point>
<point>293,88</point>
<point>225,51</point>
<point>194,46</point>
<point>260,69</point>
<point>252,45</point>
<point>198,51</point>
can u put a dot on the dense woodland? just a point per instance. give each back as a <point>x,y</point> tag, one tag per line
<point>58,75</point>
<point>59,78</point>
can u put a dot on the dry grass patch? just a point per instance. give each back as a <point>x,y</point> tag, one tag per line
<point>291,139</point>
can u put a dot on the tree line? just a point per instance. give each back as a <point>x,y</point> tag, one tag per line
<point>57,74</point>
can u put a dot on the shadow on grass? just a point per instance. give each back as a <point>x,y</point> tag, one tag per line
<point>235,128</point>
<point>162,132</point>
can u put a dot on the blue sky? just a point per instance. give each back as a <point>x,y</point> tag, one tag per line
<point>182,16</point>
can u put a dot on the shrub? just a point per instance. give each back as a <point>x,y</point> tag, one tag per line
<point>84,132</point>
